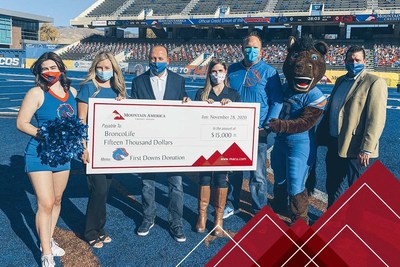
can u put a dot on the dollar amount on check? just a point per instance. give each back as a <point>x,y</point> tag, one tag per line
<point>139,136</point>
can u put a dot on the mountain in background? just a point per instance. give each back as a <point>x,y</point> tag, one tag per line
<point>69,35</point>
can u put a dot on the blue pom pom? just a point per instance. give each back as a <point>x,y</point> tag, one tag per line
<point>61,140</point>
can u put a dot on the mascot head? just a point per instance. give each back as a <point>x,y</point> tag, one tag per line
<point>305,64</point>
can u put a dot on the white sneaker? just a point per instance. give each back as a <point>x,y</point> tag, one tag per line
<point>55,249</point>
<point>228,212</point>
<point>48,261</point>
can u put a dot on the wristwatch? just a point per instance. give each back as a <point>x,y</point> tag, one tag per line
<point>365,152</point>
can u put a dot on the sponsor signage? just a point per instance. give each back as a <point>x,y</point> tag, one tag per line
<point>250,20</point>
<point>10,62</point>
<point>183,70</point>
<point>211,21</point>
<point>378,17</point>
<point>80,65</point>
<point>122,23</point>
<point>99,23</point>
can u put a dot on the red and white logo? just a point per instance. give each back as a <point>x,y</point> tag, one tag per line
<point>117,116</point>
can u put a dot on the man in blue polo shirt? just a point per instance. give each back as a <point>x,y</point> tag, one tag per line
<point>256,82</point>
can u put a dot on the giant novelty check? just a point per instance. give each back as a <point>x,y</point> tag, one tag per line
<point>140,136</point>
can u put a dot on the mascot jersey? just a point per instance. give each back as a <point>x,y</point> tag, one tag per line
<point>294,154</point>
<point>53,106</point>
<point>293,106</point>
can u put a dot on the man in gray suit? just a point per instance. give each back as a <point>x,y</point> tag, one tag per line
<point>353,123</point>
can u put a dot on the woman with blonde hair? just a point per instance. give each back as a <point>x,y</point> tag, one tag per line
<point>104,80</point>
<point>215,89</point>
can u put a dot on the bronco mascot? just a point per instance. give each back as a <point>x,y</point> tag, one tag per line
<point>294,153</point>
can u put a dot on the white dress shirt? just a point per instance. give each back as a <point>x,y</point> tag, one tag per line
<point>158,84</point>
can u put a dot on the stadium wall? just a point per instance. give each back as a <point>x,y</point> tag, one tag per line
<point>139,68</point>
<point>391,78</point>
<point>34,51</point>
<point>74,65</point>
<point>12,58</point>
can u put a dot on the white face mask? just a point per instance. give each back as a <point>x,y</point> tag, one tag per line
<point>217,78</point>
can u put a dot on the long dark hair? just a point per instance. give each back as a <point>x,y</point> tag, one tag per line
<point>36,69</point>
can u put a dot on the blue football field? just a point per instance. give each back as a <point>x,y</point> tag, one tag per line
<point>18,240</point>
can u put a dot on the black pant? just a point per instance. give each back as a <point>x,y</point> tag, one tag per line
<point>219,179</point>
<point>99,185</point>
<point>234,189</point>
<point>341,172</point>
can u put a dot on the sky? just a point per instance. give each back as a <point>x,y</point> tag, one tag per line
<point>60,10</point>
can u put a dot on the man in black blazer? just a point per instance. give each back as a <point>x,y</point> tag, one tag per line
<point>142,86</point>
<point>159,83</point>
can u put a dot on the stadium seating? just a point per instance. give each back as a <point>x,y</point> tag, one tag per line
<point>243,7</point>
<point>106,8</point>
<point>331,5</point>
<point>389,4</point>
<point>196,51</point>
<point>139,51</point>
<point>205,7</point>
<point>129,8</point>
<point>336,55</point>
<point>386,55</point>
<point>87,50</point>
<point>274,53</point>
<point>159,7</point>
<point>210,7</point>
<point>184,53</point>
<point>290,6</point>
<point>235,6</point>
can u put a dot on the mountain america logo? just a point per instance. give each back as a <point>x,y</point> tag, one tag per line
<point>120,154</point>
<point>117,116</point>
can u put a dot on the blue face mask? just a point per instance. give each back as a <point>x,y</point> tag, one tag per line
<point>354,68</point>
<point>104,75</point>
<point>251,54</point>
<point>157,67</point>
